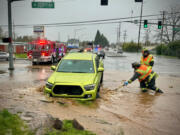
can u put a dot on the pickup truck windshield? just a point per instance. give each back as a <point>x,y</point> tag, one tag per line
<point>76,66</point>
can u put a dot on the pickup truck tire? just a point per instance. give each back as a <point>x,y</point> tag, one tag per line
<point>97,94</point>
<point>102,78</point>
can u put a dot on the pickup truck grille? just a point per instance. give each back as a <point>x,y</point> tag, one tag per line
<point>36,54</point>
<point>69,90</point>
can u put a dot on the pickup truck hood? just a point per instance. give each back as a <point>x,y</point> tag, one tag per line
<point>83,78</point>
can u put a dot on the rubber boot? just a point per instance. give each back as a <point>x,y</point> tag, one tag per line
<point>159,91</point>
<point>144,90</point>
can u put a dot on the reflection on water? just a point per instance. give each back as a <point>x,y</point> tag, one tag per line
<point>11,73</point>
<point>24,74</point>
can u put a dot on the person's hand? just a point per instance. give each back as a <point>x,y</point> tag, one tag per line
<point>125,83</point>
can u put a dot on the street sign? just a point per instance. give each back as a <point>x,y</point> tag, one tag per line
<point>38,29</point>
<point>42,4</point>
<point>176,29</point>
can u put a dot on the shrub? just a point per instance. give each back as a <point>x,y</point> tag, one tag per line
<point>172,49</point>
<point>178,53</point>
<point>131,47</point>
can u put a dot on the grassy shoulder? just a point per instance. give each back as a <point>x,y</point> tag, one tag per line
<point>12,124</point>
<point>21,55</point>
<point>68,129</point>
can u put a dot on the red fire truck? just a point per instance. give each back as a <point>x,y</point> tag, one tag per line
<point>42,50</point>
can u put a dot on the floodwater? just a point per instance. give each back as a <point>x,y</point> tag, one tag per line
<point>163,64</point>
<point>123,111</point>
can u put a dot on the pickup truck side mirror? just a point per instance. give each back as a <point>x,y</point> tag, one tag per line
<point>100,69</point>
<point>53,68</point>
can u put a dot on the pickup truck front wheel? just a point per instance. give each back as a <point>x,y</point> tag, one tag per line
<point>102,78</point>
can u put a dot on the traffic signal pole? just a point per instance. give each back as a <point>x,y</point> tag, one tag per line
<point>140,26</point>
<point>162,26</point>
<point>10,46</point>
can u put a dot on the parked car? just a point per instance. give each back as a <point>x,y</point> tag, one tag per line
<point>119,51</point>
<point>4,55</point>
<point>78,75</point>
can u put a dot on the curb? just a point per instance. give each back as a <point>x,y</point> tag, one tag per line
<point>21,59</point>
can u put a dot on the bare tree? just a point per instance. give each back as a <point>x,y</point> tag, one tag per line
<point>171,23</point>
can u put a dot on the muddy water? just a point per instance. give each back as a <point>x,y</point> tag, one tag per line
<point>125,110</point>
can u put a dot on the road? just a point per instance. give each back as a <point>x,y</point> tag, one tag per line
<point>125,111</point>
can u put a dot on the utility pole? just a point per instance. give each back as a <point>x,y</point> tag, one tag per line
<point>163,19</point>
<point>59,36</point>
<point>125,35</point>
<point>10,46</point>
<point>14,36</point>
<point>140,25</point>
<point>119,33</point>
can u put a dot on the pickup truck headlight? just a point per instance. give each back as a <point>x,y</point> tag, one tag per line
<point>49,85</point>
<point>89,87</point>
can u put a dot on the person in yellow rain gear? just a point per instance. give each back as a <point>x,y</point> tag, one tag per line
<point>146,77</point>
<point>146,58</point>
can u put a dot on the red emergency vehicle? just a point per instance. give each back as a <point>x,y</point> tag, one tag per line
<point>42,50</point>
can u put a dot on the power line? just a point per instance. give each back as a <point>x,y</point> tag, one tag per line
<point>93,22</point>
<point>85,22</point>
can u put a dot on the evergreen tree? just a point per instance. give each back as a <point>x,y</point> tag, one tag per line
<point>97,38</point>
<point>101,39</point>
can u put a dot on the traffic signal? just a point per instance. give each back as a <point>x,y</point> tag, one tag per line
<point>159,24</point>
<point>90,43</point>
<point>145,23</point>
<point>104,2</point>
<point>138,0</point>
<point>6,40</point>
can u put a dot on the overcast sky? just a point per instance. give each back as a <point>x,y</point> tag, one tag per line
<point>82,10</point>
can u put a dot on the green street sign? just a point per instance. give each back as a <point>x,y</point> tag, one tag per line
<point>176,29</point>
<point>42,4</point>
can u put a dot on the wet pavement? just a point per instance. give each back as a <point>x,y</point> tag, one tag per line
<point>123,111</point>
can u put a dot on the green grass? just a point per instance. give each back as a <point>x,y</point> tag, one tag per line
<point>87,103</point>
<point>12,124</point>
<point>68,129</point>
<point>21,55</point>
